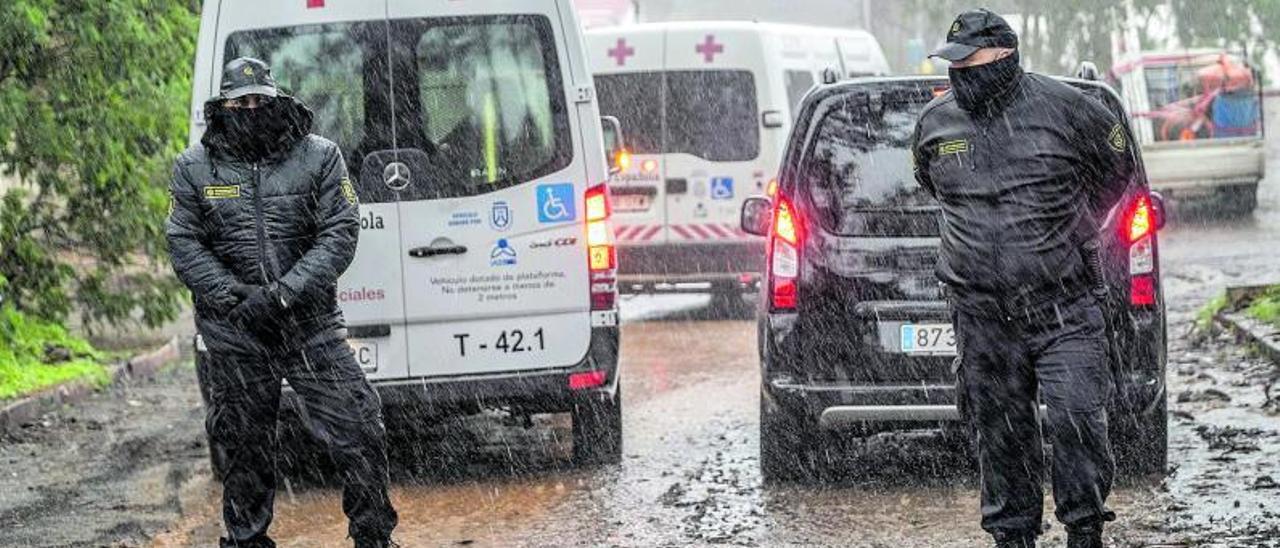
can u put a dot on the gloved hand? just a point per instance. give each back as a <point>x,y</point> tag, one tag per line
<point>241,291</point>
<point>260,308</point>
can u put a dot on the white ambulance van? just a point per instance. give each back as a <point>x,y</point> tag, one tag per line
<point>485,274</point>
<point>706,108</point>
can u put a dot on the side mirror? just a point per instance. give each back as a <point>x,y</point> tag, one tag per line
<point>772,119</point>
<point>1158,208</point>
<point>1089,71</point>
<point>615,145</point>
<point>757,214</point>
<point>830,76</point>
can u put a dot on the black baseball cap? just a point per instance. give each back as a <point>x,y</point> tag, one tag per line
<point>974,30</point>
<point>247,76</point>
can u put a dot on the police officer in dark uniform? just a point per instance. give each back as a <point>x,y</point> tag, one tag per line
<point>263,219</point>
<point>1024,168</point>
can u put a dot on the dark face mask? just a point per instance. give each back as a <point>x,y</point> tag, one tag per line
<point>254,134</point>
<point>976,87</point>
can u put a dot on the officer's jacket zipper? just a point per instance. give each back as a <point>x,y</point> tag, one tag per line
<point>982,164</point>
<point>260,222</point>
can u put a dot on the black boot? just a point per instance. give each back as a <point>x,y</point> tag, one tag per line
<point>256,542</point>
<point>375,542</point>
<point>1085,537</point>
<point>1016,542</point>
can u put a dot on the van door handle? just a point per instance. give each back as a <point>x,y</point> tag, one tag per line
<point>425,252</point>
<point>677,186</point>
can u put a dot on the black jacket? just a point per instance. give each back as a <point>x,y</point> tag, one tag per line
<point>1021,186</point>
<point>291,218</point>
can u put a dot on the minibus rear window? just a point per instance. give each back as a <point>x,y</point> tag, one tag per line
<point>711,114</point>
<point>481,96</point>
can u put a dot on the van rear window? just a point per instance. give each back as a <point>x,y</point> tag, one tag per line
<point>711,114</point>
<point>481,96</point>
<point>857,168</point>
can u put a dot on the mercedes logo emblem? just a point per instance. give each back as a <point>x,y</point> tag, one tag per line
<point>396,175</point>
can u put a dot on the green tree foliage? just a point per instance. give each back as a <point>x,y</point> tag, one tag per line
<point>93,99</point>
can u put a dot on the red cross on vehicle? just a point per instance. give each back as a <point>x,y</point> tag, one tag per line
<point>710,48</point>
<point>622,52</point>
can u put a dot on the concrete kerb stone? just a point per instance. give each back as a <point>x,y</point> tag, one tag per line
<point>1264,336</point>
<point>26,410</point>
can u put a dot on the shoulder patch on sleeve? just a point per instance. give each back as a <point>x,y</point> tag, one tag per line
<point>349,191</point>
<point>956,146</point>
<point>1117,140</point>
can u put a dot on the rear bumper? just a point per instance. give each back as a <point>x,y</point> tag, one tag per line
<point>902,403</point>
<point>1182,169</point>
<point>728,262</point>
<point>541,391</point>
<point>845,407</point>
<point>837,406</point>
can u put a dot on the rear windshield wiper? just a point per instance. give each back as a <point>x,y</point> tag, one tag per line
<point>891,209</point>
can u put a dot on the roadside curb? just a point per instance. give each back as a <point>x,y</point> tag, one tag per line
<point>144,366</point>
<point>1264,336</point>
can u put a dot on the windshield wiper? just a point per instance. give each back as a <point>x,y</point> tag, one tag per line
<point>891,209</point>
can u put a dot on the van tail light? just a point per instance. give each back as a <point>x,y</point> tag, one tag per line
<point>602,255</point>
<point>588,379</point>
<point>1139,228</point>
<point>1142,221</point>
<point>784,255</point>
<point>623,160</point>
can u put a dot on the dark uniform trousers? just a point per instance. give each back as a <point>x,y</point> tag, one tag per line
<point>343,411</point>
<point>1059,350</point>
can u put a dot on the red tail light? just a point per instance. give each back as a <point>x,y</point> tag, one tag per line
<point>602,256</point>
<point>582,381</point>
<point>1142,220</point>
<point>1142,290</point>
<point>784,255</point>
<point>1140,227</point>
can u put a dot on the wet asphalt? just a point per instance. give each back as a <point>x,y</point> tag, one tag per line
<point>127,467</point>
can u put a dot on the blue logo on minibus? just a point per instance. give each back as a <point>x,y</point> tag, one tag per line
<point>555,203</point>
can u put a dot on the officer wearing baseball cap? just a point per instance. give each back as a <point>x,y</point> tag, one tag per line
<point>263,220</point>
<point>1025,168</point>
<point>247,76</point>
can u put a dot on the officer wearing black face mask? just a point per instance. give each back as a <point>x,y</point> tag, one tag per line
<point>1024,168</point>
<point>263,219</point>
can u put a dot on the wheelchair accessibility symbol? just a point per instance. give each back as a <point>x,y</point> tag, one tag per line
<point>556,204</point>
<point>722,188</point>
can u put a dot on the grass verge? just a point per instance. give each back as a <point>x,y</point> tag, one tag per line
<point>1267,307</point>
<point>1204,318</point>
<point>35,355</point>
